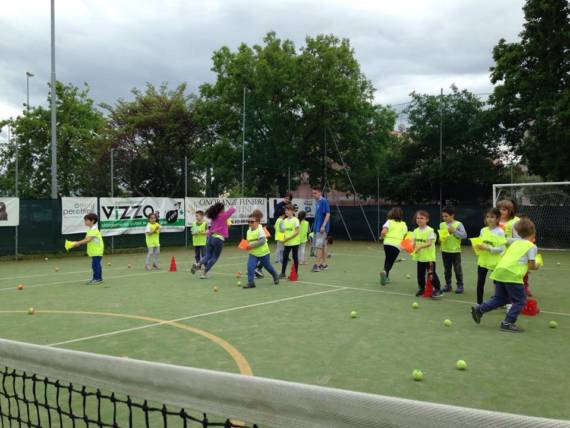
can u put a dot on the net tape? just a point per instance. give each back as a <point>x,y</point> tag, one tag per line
<point>268,403</point>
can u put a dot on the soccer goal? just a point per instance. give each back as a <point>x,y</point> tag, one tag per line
<point>547,204</point>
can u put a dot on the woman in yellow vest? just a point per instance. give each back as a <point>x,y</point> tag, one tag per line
<point>490,250</point>
<point>95,247</point>
<point>291,229</point>
<point>451,248</point>
<point>508,221</point>
<point>304,235</point>
<point>508,276</point>
<point>393,232</point>
<point>259,253</point>
<point>423,240</point>
<point>152,236</point>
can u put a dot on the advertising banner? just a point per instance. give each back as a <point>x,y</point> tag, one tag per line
<point>243,206</point>
<point>9,212</point>
<point>72,212</point>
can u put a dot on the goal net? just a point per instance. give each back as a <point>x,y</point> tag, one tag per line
<point>547,204</point>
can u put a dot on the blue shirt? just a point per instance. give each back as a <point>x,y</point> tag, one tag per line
<point>323,208</point>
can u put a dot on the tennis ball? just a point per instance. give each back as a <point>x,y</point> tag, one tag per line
<point>353,314</point>
<point>418,375</point>
<point>216,289</point>
<point>461,365</point>
<point>31,311</point>
<point>239,283</point>
<point>447,323</point>
<point>56,269</point>
<point>408,276</point>
<point>557,263</point>
<point>552,324</point>
<point>108,263</point>
<point>129,265</point>
<point>20,286</point>
<point>415,305</point>
<point>46,259</point>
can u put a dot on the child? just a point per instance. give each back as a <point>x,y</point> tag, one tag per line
<point>291,229</point>
<point>95,247</point>
<point>424,253</point>
<point>393,232</point>
<point>258,214</point>
<point>216,236</point>
<point>451,248</point>
<point>508,277</point>
<point>199,235</point>
<point>508,222</point>
<point>279,236</point>
<point>304,235</point>
<point>152,235</point>
<point>259,253</point>
<point>490,250</point>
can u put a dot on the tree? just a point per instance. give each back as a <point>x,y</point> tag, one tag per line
<point>292,100</point>
<point>471,151</point>
<point>532,93</point>
<point>151,135</point>
<point>80,139</point>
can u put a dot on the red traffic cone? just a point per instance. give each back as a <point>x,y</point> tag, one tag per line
<point>173,265</point>
<point>293,275</point>
<point>428,291</point>
<point>531,308</point>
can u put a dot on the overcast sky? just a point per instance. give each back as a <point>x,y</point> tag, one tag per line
<point>115,45</point>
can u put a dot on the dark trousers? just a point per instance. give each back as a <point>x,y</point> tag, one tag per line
<point>391,256</point>
<point>452,260</point>
<point>254,263</point>
<point>423,268</point>
<point>96,267</point>
<point>286,251</point>
<point>214,248</point>
<point>481,277</point>
<point>505,293</point>
<point>199,252</point>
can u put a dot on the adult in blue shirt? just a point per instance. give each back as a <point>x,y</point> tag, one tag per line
<point>321,228</point>
<point>280,207</point>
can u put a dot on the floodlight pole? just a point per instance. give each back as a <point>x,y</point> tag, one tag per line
<point>441,150</point>
<point>243,148</point>
<point>53,107</point>
<point>185,195</point>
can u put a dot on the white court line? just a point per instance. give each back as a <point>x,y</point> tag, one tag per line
<point>395,293</point>
<point>221,311</point>
<point>50,284</point>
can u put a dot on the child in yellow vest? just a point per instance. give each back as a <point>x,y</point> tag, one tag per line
<point>279,236</point>
<point>508,276</point>
<point>199,235</point>
<point>291,229</point>
<point>393,232</point>
<point>152,235</point>
<point>259,254</point>
<point>508,221</point>
<point>304,235</point>
<point>451,248</point>
<point>95,247</point>
<point>490,250</point>
<point>423,240</point>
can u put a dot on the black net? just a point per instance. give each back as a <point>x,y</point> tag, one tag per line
<point>36,401</point>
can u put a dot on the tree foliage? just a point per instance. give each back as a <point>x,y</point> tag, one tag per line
<point>532,93</point>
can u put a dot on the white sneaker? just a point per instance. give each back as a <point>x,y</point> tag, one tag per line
<point>204,275</point>
<point>508,307</point>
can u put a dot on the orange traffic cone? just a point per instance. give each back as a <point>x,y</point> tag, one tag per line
<point>293,275</point>
<point>428,291</point>
<point>173,265</point>
<point>531,308</point>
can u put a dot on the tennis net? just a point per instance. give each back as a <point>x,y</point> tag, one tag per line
<point>49,387</point>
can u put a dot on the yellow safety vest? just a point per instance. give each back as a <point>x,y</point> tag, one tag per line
<point>422,237</point>
<point>304,232</point>
<point>199,240</point>
<point>153,240</point>
<point>509,269</point>
<point>255,235</point>
<point>279,236</point>
<point>95,247</point>
<point>487,259</point>
<point>451,244</point>
<point>290,225</point>
<point>396,232</point>
<point>509,227</point>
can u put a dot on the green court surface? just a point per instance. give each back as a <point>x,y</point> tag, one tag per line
<point>303,331</point>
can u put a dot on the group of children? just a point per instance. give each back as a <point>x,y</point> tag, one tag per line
<point>506,249</point>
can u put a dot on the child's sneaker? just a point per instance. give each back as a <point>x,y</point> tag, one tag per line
<point>383,278</point>
<point>249,285</point>
<point>324,267</point>
<point>155,267</point>
<point>147,267</point>
<point>419,292</point>
<point>276,279</point>
<point>282,276</point>
<point>195,268</point>
<point>204,275</point>
<point>508,307</point>
<point>459,290</point>
<point>447,289</point>
<point>316,268</point>
<point>437,294</point>
<point>476,314</point>
<point>258,273</point>
<point>509,327</point>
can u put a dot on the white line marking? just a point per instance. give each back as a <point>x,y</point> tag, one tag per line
<point>221,311</point>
